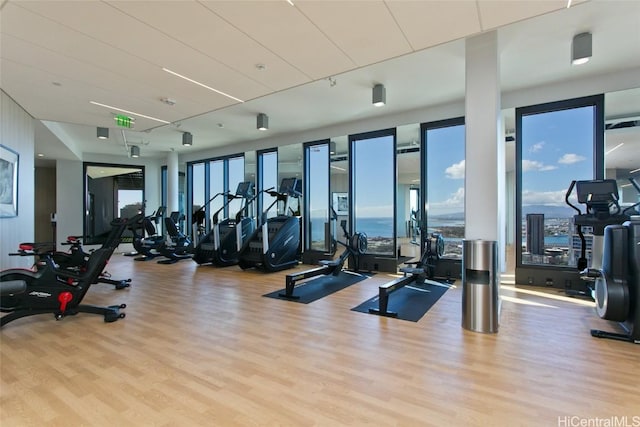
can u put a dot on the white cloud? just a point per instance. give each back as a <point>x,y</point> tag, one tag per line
<point>544,198</point>
<point>536,147</point>
<point>455,200</point>
<point>570,158</point>
<point>534,165</point>
<point>455,171</point>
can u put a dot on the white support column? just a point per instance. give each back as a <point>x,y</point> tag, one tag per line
<point>173,174</point>
<point>484,152</point>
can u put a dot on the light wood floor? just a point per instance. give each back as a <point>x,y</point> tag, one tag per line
<point>200,346</point>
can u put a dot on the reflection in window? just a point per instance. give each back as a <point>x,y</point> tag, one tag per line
<point>374,176</point>
<point>445,170</point>
<point>197,194</point>
<point>268,170</point>
<point>556,146</point>
<point>216,186</point>
<point>236,176</point>
<point>318,227</point>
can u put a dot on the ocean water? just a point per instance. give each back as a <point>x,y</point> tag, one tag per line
<point>382,227</point>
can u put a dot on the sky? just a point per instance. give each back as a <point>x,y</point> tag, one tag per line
<point>557,147</point>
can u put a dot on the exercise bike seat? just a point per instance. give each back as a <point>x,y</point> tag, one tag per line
<point>13,287</point>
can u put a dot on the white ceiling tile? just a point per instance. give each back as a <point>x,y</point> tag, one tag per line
<point>495,13</point>
<point>285,31</point>
<point>211,35</point>
<point>429,23</point>
<point>365,31</point>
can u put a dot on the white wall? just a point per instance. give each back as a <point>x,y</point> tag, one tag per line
<point>17,133</point>
<point>69,191</point>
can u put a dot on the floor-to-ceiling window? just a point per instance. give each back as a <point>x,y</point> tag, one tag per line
<point>207,178</point>
<point>318,236</point>
<point>373,184</point>
<point>216,187</point>
<point>556,143</point>
<point>443,188</point>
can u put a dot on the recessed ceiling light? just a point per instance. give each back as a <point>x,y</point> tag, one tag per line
<point>56,83</point>
<point>128,112</point>
<point>261,67</point>
<point>201,84</point>
<point>40,155</point>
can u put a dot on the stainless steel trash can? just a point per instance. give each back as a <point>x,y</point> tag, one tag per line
<point>480,286</point>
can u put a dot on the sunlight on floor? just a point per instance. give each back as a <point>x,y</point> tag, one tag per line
<point>548,295</point>
<point>525,302</point>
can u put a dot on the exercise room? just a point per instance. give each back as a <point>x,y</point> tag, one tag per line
<point>313,213</point>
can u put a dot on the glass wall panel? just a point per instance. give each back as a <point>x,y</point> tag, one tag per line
<point>444,184</point>
<point>373,172</point>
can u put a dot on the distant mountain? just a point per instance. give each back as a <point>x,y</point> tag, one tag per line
<point>456,216</point>
<point>549,211</point>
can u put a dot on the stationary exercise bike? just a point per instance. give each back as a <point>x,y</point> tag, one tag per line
<point>76,259</point>
<point>50,289</point>
<point>614,276</point>
<point>148,247</point>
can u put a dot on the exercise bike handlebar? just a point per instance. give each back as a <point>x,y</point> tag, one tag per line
<point>637,187</point>
<point>568,194</point>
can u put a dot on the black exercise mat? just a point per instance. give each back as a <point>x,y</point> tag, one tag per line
<point>320,287</point>
<point>410,302</point>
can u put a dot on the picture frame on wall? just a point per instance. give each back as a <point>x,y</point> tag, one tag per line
<point>341,203</point>
<point>9,162</point>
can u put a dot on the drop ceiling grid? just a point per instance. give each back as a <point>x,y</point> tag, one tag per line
<point>282,29</point>
<point>46,67</point>
<point>495,13</point>
<point>430,23</point>
<point>365,31</point>
<point>207,33</point>
<point>130,43</point>
<point>70,53</point>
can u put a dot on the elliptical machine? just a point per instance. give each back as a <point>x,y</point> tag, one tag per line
<point>145,246</point>
<point>220,247</point>
<point>275,244</point>
<point>614,276</point>
<point>179,245</point>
